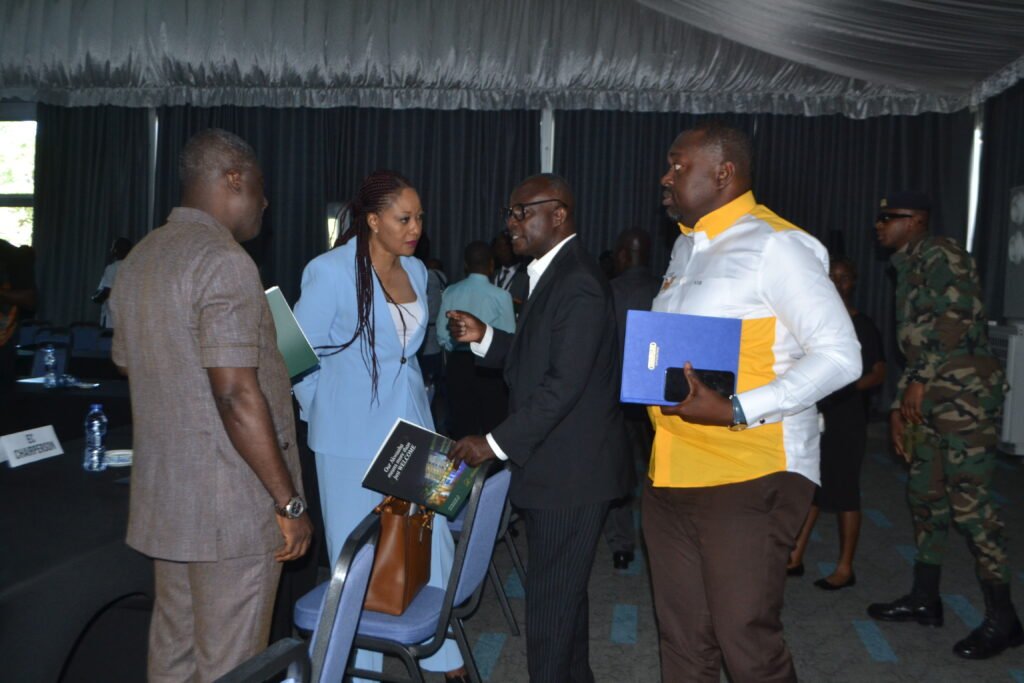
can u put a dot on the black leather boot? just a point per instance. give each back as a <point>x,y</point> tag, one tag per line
<point>1000,629</point>
<point>922,604</point>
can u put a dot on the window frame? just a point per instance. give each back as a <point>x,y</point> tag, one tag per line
<point>19,111</point>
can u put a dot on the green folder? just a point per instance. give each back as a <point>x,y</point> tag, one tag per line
<point>296,350</point>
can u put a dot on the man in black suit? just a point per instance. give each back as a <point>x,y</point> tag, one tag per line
<point>564,434</point>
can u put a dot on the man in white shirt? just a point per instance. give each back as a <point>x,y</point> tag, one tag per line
<point>118,250</point>
<point>724,503</point>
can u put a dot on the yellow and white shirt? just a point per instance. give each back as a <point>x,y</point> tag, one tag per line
<point>797,345</point>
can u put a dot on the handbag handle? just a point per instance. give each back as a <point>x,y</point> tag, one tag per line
<point>398,506</point>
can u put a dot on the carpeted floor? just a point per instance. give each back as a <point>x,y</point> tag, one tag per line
<point>832,639</point>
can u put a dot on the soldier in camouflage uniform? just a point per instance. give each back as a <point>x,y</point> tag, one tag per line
<point>944,422</point>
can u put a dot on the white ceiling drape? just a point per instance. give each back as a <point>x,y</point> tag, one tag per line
<point>854,57</point>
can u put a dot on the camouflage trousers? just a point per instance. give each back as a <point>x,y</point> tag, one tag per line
<point>950,476</point>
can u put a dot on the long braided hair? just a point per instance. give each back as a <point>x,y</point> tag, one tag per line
<point>376,193</point>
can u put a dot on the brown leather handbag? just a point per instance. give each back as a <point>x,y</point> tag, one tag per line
<point>401,565</point>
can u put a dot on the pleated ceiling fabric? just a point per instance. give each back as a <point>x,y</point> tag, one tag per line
<point>856,58</point>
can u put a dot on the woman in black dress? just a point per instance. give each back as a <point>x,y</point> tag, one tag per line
<point>843,441</point>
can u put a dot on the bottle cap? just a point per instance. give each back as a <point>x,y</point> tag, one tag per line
<point>96,406</point>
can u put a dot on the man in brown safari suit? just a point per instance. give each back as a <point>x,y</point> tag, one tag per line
<point>213,428</point>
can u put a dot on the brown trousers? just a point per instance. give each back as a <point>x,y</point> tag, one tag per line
<point>209,617</point>
<point>718,565</point>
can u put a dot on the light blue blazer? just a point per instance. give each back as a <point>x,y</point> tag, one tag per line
<point>335,400</point>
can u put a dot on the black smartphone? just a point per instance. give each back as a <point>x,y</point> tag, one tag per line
<point>677,388</point>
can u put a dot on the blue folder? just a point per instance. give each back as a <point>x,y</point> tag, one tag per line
<point>657,341</point>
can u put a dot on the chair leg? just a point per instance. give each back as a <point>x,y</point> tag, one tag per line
<point>506,607</point>
<point>517,561</point>
<point>467,653</point>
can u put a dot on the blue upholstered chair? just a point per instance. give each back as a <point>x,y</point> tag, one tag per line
<point>431,618</point>
<point>434,614</point>
<point>86,340</point>
<point>504,536</point>
<point>331,611</point>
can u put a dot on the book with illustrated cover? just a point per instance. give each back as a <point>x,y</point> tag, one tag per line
<point>412,464</point>
<point>299,356</point>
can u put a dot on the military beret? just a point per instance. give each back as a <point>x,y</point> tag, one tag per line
<point>906,200</point>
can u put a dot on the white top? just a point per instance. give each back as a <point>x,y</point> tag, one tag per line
<point>406,318</point>
<point>107,282</point>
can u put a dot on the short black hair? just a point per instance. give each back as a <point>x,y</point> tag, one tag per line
<point>212,152</point>
<point>558,185</point>
<point>121,247</point>
<point>732,143</point>
<point>843,260</point>
<point>477,255</point>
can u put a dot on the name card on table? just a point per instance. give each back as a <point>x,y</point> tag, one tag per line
<point>30,445</point>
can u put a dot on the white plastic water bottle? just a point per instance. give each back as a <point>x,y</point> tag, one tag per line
<point>49,366</point>
<point>95,459</point>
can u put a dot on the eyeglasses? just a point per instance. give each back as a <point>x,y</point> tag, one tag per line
<point>518,211</point>
<point>886,217</point>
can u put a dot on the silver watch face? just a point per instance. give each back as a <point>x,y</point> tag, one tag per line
<point>295,507</point>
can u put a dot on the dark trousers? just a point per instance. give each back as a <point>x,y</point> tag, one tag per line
<point>478,397</point>
<point>718,566</point>
<point>620,528</point>
<point>561,545</point>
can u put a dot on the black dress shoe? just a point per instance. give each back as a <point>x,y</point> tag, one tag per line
<point>621,559</point>
<point>989,639</point>
<point>908,608</point>
<point>795,570</point>
<point>826,585</point>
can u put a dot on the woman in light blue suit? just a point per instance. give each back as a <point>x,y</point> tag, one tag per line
<point>363,307</point>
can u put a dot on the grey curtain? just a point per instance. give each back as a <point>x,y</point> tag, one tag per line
<point>91,186</point>
<point>1002,168</point>
<point>794,56</point>
<point>463,163</point>
<point>825,174</point>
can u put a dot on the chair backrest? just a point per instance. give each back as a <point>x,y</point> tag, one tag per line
<point>105,343</point>
<point>342,606</point>
<point>476,539</point>
<point>39,363</point>
<point>53,335</point>
<point>85,339</point>
<point>27,330</point>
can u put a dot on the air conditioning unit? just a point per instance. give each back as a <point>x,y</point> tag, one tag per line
<point>1008,345</point>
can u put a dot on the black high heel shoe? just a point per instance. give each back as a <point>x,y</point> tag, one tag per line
<point>795,570</point>
<point>825,585</point>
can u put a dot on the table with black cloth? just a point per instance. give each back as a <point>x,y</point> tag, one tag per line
<point>64,556</point>
<point>27,406</point>
<point>62,553</point>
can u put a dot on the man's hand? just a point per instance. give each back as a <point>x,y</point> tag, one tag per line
<point>911,405</point>
<point>297,535</point>
<point>897,428</point>
<point>702,406</point>
<point>472,450</point>
<point>465,327</point>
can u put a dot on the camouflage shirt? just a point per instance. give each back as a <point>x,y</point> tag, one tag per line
<point>941,325</point>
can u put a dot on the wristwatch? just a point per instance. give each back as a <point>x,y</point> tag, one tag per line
<point>293,509</point>
<point>739,420</point>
